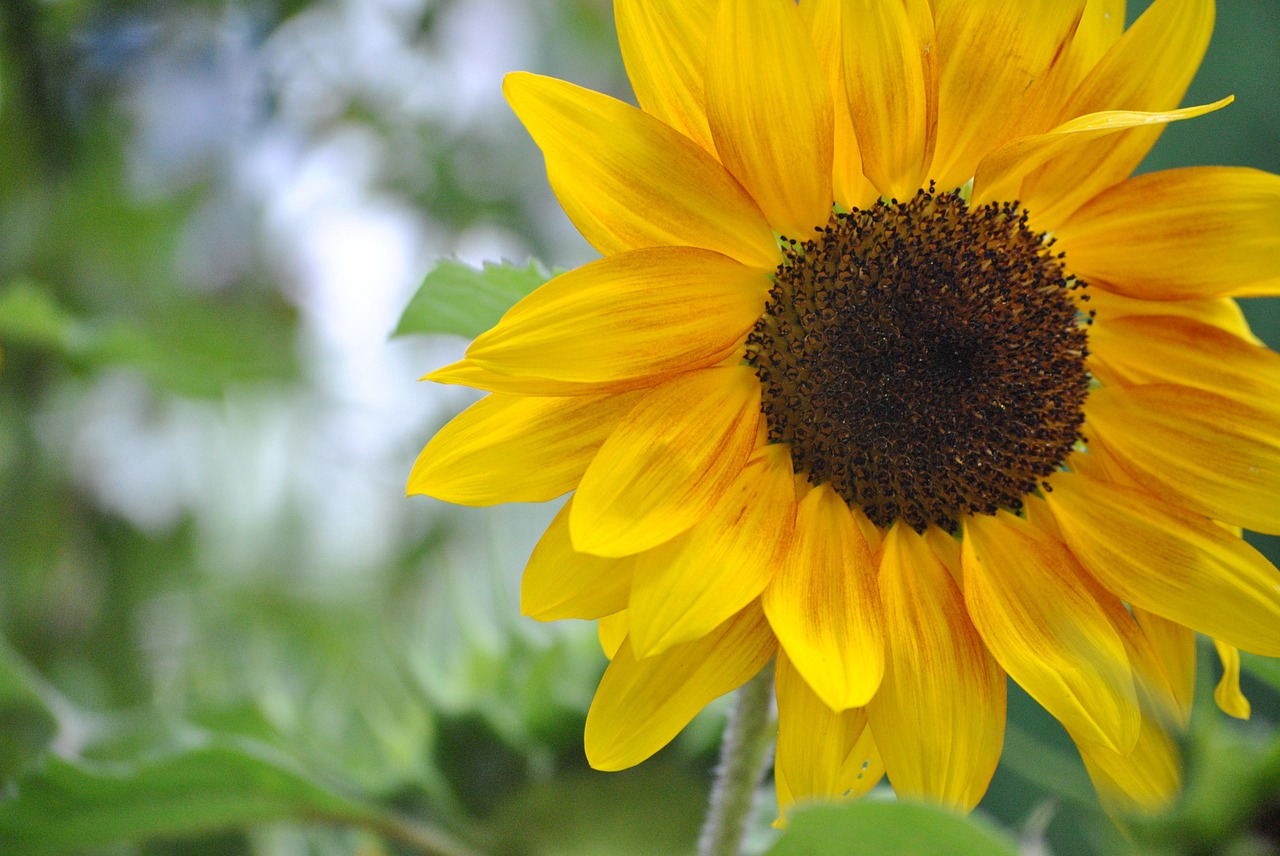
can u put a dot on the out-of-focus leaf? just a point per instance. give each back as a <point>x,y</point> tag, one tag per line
<point>67,806</point>
<point>30,316</point>
<point>652,810</point>
<point>1041,788</point>
<point>1230,805</point>
<point>196,350</point>
<point>189,345</point>
<point>1266,669</point>
<point>531,682</point>
<point>456,298</point>
<point>26,722</point>
<point>1049,767</point>
<point>888,829</point>
<point>481,769</point>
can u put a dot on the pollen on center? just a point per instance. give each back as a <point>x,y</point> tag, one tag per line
<point>924,358</point>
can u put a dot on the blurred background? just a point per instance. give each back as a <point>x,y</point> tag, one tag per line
<point>225,630</point>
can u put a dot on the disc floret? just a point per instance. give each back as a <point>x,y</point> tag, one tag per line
<point>925,358</point>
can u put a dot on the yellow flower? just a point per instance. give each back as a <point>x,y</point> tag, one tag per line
<point>837,392</point>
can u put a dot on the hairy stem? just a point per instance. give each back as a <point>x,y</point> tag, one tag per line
<point>743,755</point>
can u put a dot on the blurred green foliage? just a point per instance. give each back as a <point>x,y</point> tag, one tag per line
<point>187,667</point>
<point>1231,805</point>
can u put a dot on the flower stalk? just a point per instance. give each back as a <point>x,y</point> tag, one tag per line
<point>748,737</point>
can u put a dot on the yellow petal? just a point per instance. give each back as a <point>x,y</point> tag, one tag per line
<point>1099,462</point>
<point>1175,646</point>
<point>1096,462</point>
<point>559,582</point>
<point>1156,693</point>
<point>1207,452</point>
<point>1000,171</point>
<point>891,81</point>
<point>822,753</point>
<point>1145,779</point>
<point>643,313</point>
<point>1024,594</point>
<point>850,187</point>
<point>612,631</point>
<point>664,47</point>
<point>769,106</point>
<point>1148,69</point>
<point>823,604</point>
<point>1180,234</point>
<point>513,448</point>
<point>947,548</point>
<point>1038,515</point>
<point>688,586</point>
<point>1227,693</point>
<point>668,462</point>
<point>939,715</point>
<point>628,180</point>
<point>1158,349</point>
<point>470,373</point>
<point>990,53</point>
<point>1155,690</point>
<point>1100,24</point>
<point>871,533</point>
<point>641,705</point>
<point>1222,312</point>
<point>1170,561</point>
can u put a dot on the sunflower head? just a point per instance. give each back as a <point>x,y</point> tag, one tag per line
<point>835,396</point>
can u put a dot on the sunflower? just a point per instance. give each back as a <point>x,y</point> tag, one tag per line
<point>890,374</point>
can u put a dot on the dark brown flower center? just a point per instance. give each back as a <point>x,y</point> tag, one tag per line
<point>924,358</point>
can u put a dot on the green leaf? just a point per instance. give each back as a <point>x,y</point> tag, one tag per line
<point>457,298</point>
<point>1228,804</point>
<point>888,829</point>
<point>217,783</point>
<point>651,810</point>
<point>31,316</point>
<point>1037,762</point>
<point>1265,669</point>
<point>27,724</point>
<point>196,347</point>
<point>191,344</point>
